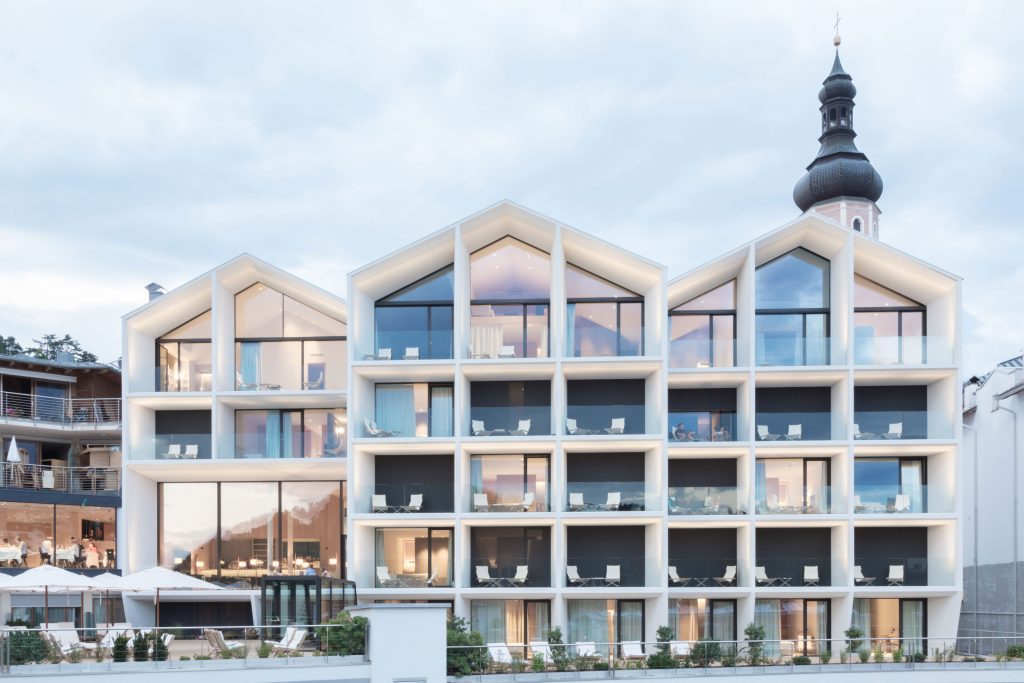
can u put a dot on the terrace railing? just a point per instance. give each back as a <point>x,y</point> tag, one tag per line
<point>56,411</point>
<point>92,480</point>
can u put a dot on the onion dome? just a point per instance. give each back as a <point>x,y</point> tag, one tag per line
<point>839,169</point>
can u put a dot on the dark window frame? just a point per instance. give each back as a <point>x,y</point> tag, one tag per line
<point>802,312</point>
<point>710,314</point>
<point>429,304</point>
<point>899,310</point>
<point>618,301</point>
<point>281,413</point>
<point>430,402</point>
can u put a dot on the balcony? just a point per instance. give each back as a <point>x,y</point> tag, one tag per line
<point>605,407</point>
<point>687,571</point>
<point>413,497</point>
<point>173,447</point>
<point>413,558</point>
<point>613,571</point>
<point>704,500</point>
<point>509,483</point>
<point>791,351</point>
<point>702,426</point>
<point>510,572</point>
<point>793,557</point>
<point>875,425</point>
<point>98,481</point>
<point>510,408</point>
<point>794,426</point>
<point>816,502</point>
<point>902,570</point>
<point>609,496</point>
<point>888,499</point>
<point>905,350</point>
<point>301,365</point>
<point>60,412</point>
<point>503,557</point>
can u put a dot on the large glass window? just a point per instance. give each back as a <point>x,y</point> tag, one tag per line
<point>702,331</point>
<point>184,357</point>
<point>413,558</point>
<point>509,483</point>
<point>239,531</point>
<point>310,433</point>
<point>792,301</point>
<point>792,486</point>
<point>66,535</point>
<point>603,318</point>
<point>703,619</point>
<point>889,328</point>
<point>886,485</point>
<point>92,531</point>
<point>604,621</point>
<point>797,627</point>
<point>282,344</point>
<point>510,291</point>
<point>511,621</point>
<point>510,408</point>
<point>605,406</point>
<point>892,623</point>
<point>413,410</point>
<point>418,317</point>
<point>702,415</point>
<point>501,551</point>
<point>794,413</point>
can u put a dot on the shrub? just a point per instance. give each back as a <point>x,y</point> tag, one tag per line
<point>202,658</point>
<point>140,648</point>
<point>864,654</point>
<point>755,642</point>
<point>825,656</point>
<point>159,649</point>
<point>729,658</point>
<point>184,658</point>
<point>518,665</point>
<point>705,652</point>
<point>897,656</point>
<point>801,660</point>
<point>346,635</point>
<point>600,666</point>
<point>119,653</point>
<point>27,647</point>
<point>466,652</point>
<point>1015,651</point>
<point>662,657</point>
<point>559,652</point>
<point>537,665</point>
<point>879,656</point>
<point>263,651</point>
<point>853,638</point>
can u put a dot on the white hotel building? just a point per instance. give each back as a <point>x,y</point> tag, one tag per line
<point>543,429</point>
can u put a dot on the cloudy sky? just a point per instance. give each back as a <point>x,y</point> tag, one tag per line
<point>148,141</point>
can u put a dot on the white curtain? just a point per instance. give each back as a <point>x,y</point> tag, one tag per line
<point>590,621</point>
<point>487,617</point>
<point>913,626</point>
<point>723,620</point>
<point>910,478</point>
<point>570,330</point>
<point>442,411</point>
<point>395,409</point>
<point>862,616</point>
<point>768,615</point>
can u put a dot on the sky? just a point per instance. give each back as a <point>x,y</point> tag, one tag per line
<point>151,141</point>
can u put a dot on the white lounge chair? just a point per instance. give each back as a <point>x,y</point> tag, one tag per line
<point>574,577</point>
<point>415,503</point>
<point>572,428</point>
<point>499,653</point>
<point>522,574</point>
<point>902,502</point>
<point>479,429</point>
<point>729,578</point>
<point>762,577</point>
<point>373,430</point>
<point>618,426</point>
<point>528,499</point>
<point>633,649</point>
<point>675,579</point>
<point>66,640</point>
<point>859,578</point>
<point>895,577</point>
<point>679,648</point>
<point>764,435</point>
<point>895,431</point>
<point>291,641</point>
<point>484,578</point>
<point>411,353</point>
<point>858,506</point>
<point>316,384</point>
<point>795,433</point>
<point>540,647</point>
<point>857,434</point>
<point>173,452</point>
<point>613,501</point>
<point>612,575</point>
<point>523,429</point>
<point>576,503</point>
<point>380,503</point>
<point>507,352</point>
<point>811,577</point>
<point>382,354</point>
<point>385,579</point>
<point>217,643</point>
<point>480,503</point>
<point>586,648</point>
<point>191,451</point>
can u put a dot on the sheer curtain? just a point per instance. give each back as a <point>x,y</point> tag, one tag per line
<point>862,616</point>
<point>395,409</point>
<point>476,475</point>
<point>487,617</point>
<point>913,626</point>
<point>250,363</point>
<point>273,430</point>
<point>442,412</point>
<point>911,482</point>
<point>722,614</point>
<point>378,551</point>
<point>590,621</point>
<point>760,486</point>
<point>570,330</point>
<point>515,626</point>
<point>683,614</point>
<point>631,620</point>
<point>768,615</point>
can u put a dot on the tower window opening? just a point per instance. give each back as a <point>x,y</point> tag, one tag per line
<point>831,118</point>
<point>842,117</point>
<point>857,224</point>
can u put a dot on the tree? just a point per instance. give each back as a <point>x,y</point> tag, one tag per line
<point>50,345</point>
<point>755,642</point>
<point>9,346</point>
<point>662,657</point>
<point>466,651</point>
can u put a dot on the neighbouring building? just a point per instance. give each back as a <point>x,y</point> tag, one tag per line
<point>60,495</point>
<point>993,568</point>
<point>542,429</point>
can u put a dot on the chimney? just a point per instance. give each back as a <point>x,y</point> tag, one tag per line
<point>65,357</point>
<point>154,290</point>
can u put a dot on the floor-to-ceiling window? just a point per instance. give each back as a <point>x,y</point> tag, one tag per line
<point>413,557</point>
<point>184,358</point>
<point>300,433</point>
<point>509,483</point>
<point>793,626</point>
<point>604,319</point>
<point>501,551</point>
<point>604,623</point>
<point>792,301</point>
<point>282,344</point>
<point>702,331</point>
<point>890,484</point>
<point>515,622</point>
<point>91,528</point>
<point>416,321</point>
<point>792,485</point>
<point>888,328</point>
<point>892,623</point>
<point>421,409</point>
<point>510,408</point>
<point>510,293</point>
<point>703,619</point>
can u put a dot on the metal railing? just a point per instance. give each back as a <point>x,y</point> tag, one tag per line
<point>825,655</point>
<point>64,649</point>
<point>93,480</point>
<point>54,410</point>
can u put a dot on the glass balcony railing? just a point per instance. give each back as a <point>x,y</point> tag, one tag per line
<point>815,502</point>
<point>173,447</point>
<point>687,571</point>
<point>792,351</point>
<point>394,575</point>
<point>881,499</point>
<point>701,354</point>
<point>707,426</point>
<point>611,571</point>
<point>871,425</point>
<point>489,499</point>
<point>903,571</point>
<point>609,496</point>
<point>704,500</point>
<point>794,426</point>
<point>510,421</point>
<point>929,350</point>
<point>290,366</point>
<point>776,572</point>
<point>413,497</point>
<point>510,572</point>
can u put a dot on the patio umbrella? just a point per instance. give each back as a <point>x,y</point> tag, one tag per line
<point>14,458</point>
<point>46,577</point>
<point>157,579</point>
<point>107,582</point>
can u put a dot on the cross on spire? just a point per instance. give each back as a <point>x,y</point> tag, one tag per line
<point>837,40</point>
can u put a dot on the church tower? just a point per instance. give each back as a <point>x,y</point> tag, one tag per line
<point>840,183</point>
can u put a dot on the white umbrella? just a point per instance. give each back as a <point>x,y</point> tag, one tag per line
<point>46,577</point>
<point>158,578</point>
<point>12,452</point>
<point>108,582</point>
